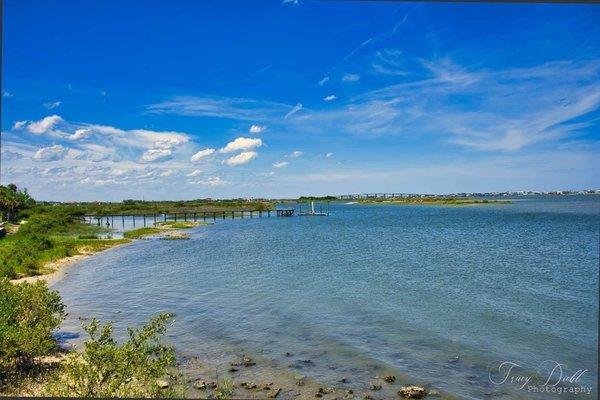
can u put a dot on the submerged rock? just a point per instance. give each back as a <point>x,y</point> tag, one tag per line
<point>389,378</point>
<point>374,386</point>
<point>412,392</point>
<point>274,394</point>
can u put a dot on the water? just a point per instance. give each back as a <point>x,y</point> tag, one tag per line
<point>439,295</point>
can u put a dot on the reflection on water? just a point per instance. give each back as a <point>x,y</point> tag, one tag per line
<point>438,295</point>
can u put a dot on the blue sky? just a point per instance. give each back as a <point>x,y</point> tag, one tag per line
<point>105,100</point>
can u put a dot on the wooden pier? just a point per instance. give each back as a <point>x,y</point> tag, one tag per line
<point>109,219</point>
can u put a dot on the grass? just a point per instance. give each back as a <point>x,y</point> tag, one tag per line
<point>141,232</point>
<point>180,224</point>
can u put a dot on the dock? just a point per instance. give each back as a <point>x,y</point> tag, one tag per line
<point>312,212</point>
<point>143,218</point>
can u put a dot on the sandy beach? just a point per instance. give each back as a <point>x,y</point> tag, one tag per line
<point>59,268</point>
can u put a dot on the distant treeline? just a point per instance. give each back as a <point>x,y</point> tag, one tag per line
<point>131,206</point>
<point>317,198</point>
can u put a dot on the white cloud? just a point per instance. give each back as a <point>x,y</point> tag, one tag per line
<point>280,164</point>
<point>201,154</point>
<point>293,111</point>
<point>19,125</point>
<point>323,81</point>
<point>7,94</point>
<point>294,154</point>
<point>52,153</point>
<point>331,97</point>
<point>52,105</point>
<point>195,172</point>
<point>350,77</point>
<point>44,125</point>
<point>242,158</point>
<point>212,181</point>
<point>328,155</point>
<point>80,134</point>
<point>167,173</point>
<point>154,155</point>
<point>241,143</point>
<point>257,128</point>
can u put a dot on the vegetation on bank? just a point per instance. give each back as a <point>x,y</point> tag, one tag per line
<point>46,234</point>
<point>141,366</point>
<point>29,312</point>
<point>432,201</point>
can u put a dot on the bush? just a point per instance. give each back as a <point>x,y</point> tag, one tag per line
<point>29,312</point>
<point>108,369</point>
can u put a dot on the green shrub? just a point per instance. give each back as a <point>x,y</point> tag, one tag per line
<point>108,369</point>
<point>29,312</point>
<point>225,389</point>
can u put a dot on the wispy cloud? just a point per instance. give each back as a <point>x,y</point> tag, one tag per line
<point>331,97</point>
<point>51,105</point>
<point>350,77</point>
<point>294,154</point>
<point>280,164</point>
<point>220,107</point>
<point>7,94</point>
<point>293,111</point>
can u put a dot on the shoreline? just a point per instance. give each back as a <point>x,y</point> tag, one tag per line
<point>59,268</point>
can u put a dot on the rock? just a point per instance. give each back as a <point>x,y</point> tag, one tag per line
<point>274,394</point>
<point>307,361</point>
<point>437,393</point>
<point>412,392</point>
<point>247,361</point>
<point>300,380</point>
<point>200,385</point>
<point>211,385</point>
<point>249,385</point>
<point>326,390</point>
<point>288,354</point>
<point>267,386</point>
<point>162,384</point>
<point>368,397</point>
<point>389,378</point>
<point>344,380</point>
<point>349,391</point>
<point>233,369</point>
<point>374,386</point>
<point>318,395</point>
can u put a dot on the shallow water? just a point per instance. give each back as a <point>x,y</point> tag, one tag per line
<point>440,295</point>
